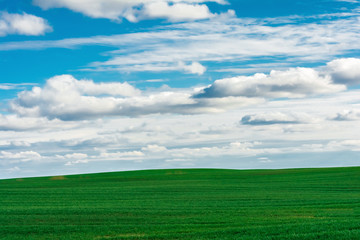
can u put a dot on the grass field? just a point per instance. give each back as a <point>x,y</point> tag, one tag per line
<point>184,204</point>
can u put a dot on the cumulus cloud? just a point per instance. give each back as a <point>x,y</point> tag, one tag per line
<point>111,9</point>
<point>68,84</point>
<point>194,67</point>
<point>345,70</point>
<point>22,24</point>
<point>67,98</point>
<point>135,10</point>
<point>154,148</point>
<point>347,115</point>
<point>176,12</point>
<point>270,118</point>
<point>292,83</point>
<point>76,158</point>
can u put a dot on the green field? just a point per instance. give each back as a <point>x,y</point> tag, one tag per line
<point>184,204</point>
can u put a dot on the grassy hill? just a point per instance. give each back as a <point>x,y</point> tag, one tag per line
<point>184,204</point>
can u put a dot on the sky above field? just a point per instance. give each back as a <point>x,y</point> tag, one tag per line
<point>94,85</point>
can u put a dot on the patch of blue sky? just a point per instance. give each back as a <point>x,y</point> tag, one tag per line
<point>280,8</point>
<point>38,65</point>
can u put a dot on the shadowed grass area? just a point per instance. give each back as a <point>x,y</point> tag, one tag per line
<point>184,204</point>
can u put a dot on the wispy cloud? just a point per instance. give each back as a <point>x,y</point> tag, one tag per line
<point>350,1</point>
<point>12,86</point>
<point>224,38</point>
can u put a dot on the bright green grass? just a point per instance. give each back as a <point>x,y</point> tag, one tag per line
<point>185,204</point>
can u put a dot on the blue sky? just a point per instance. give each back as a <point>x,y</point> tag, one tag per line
<point>90,86</point>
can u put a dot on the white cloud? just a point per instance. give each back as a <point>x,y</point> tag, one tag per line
<point>16,123</point>
<point>194,67</point>
<point>111,9</point>
<point>95,100</point>
<point>350,1</point>
<point>222,38</point>
<point>19,144</point>
<point>76,156</point>
<point>345,70</point>
<point>178,160</point>
<point>154,148</point>
<point>22,156</point>
<point>13,169</point>
<point>351,144</point>
<point>231,149</point>
<point>23,24</point>
<point>12,86</point>
<point>6,87</point>
<point>332,146</point>
<point>233,40</point>
<point>176,12</point>
<point>154,139</point>
<point>293,83</point>
<point>265,160</point>
<point>135,10</point>
<point>121,156</point>
<point>68,84</point>
<point>348,115</point>
<point>58,97</point>
<point>271,118</point>
<point>70,163</point>
<point>66,97</point>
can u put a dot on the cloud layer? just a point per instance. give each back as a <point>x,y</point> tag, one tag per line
<point>283,131</point>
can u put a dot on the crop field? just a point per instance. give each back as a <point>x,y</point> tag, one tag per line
<point>184,204</point>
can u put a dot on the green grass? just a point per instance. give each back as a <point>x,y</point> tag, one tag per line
<point>184,204</point>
